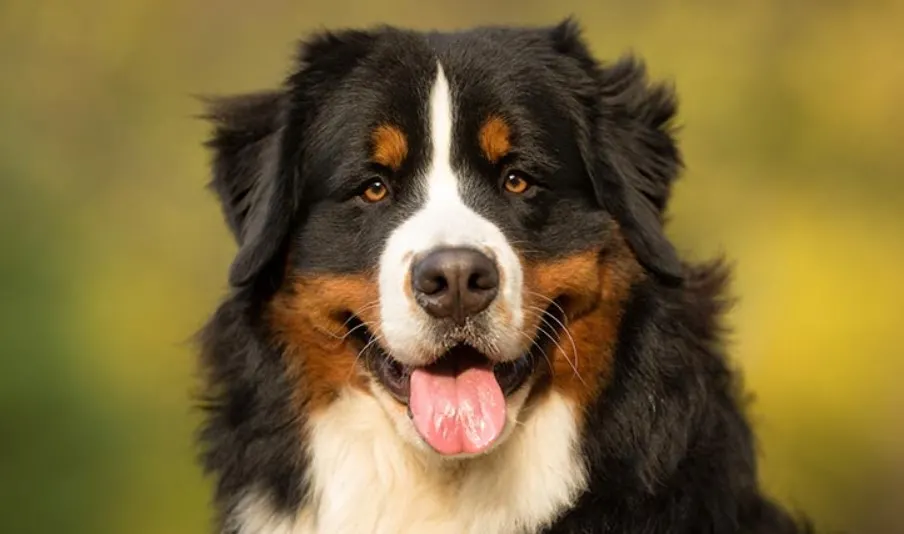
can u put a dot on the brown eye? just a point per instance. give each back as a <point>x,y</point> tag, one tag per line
<point>375,192</point>
<point>515,183</point>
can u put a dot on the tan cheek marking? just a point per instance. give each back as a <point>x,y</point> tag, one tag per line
<point>390,146</point>
<point>593,291</point>
<point>307,318</point>
<point>495,139</point>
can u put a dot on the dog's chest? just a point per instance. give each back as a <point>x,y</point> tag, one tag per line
<point>365,481</point>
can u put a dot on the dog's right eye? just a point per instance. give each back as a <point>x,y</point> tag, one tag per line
<point>374,191</point>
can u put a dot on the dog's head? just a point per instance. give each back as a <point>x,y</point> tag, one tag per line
<point>448,222</point>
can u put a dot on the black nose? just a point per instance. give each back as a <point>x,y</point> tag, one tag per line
<point>454,282</point>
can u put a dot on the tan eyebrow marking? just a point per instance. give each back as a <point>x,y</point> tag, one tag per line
<point>495,138</point>
<point>390,146</point>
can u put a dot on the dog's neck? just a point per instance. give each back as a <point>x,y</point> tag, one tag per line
<point>365,479</point>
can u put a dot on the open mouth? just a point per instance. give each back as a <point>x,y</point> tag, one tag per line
<point>396,376</point>
<point>458,402</point>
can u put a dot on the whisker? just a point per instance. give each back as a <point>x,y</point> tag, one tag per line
<point>375,339</point>
<point>551,302</point>
<point>552,338</point>
<point>520,246</point>
<point>339,339</point>
<point>565,330</point>
<point>356,315</point>
<point>534,343</point>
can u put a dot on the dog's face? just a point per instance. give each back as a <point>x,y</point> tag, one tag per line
<point>450,223</point>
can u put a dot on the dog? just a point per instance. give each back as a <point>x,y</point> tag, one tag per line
<point>453,307</point>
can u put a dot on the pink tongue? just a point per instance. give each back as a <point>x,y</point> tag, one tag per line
<point>456,414</point>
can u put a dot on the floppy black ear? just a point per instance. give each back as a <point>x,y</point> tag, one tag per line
<point>630,153</point>
<point>255,199</point>
<point>257,141</point>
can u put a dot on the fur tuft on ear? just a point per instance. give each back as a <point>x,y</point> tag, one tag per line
<point>567,38</point>
<point>642,114</point>
<point>254,200</point>
<point>632,156</point>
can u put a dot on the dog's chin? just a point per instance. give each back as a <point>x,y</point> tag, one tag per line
<point>498,389</point>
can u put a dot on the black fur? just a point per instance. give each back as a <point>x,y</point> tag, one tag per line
<point>631,156</point>
<point>668,446</point>
<point>251,430</point>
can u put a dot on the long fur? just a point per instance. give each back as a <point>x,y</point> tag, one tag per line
<point>666,449</point>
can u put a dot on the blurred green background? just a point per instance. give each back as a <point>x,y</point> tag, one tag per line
<point>113,252</point>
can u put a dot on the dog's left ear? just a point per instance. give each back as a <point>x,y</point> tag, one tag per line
<point>630,152</point>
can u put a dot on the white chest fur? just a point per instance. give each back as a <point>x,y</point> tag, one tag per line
<point>366,480</point>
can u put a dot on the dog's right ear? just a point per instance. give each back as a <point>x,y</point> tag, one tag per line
<point>255,200</point>
<point>256,143</point>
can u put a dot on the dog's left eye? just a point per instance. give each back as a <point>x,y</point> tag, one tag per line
<point>374,191</point>
<point>516,183</point>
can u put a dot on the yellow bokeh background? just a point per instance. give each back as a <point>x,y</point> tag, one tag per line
<point>113,253</point>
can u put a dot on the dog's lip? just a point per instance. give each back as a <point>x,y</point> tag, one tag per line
<point>395,376</point>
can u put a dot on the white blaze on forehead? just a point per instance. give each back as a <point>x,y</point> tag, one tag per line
<point>444,220</point>
<point>440,176</point>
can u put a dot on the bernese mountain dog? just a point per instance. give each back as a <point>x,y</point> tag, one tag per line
<point>454,309</point>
